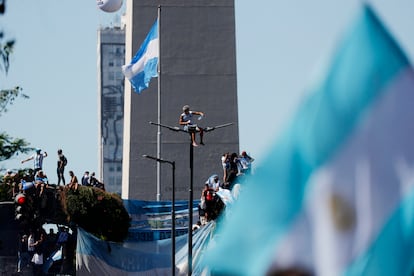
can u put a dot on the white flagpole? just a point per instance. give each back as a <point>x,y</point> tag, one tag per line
<point>159,108</point>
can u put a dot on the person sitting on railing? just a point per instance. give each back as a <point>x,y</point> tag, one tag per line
<point>40,182</point>
<point>73,184</point>
<point>96,183</point>
<point>186,120</point>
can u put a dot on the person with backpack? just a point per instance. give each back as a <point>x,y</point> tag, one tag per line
<point>61,164</point>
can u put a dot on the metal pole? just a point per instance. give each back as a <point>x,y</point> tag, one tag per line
<point>190,190</point>
<point>173,220</point>
<point>159,109</point>
<point>172,163</point>
<point>190,213</point>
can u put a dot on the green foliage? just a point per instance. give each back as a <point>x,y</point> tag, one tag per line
<point>10,146</point>
<point>6,48</point>
<point>8,96</point>
<point>98,212</point>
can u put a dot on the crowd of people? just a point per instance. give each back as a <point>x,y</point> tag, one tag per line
<point>38,250</point>
<point>36,178</point>
<point>35,247</point>
<point>234,166</point>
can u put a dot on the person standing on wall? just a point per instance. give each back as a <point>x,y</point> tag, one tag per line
<point>61,164</point>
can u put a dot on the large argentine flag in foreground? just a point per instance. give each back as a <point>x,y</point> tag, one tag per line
<point>143,66</point>
<point>335,196</point>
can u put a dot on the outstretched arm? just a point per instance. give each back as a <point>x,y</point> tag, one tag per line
<point>28,159</point>
<point>199,113</point>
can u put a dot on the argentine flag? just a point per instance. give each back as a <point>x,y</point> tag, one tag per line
<point>335,195</point>
<point>143,66</point>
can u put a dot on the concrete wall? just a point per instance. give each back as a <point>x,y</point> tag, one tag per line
<point>198,64</point>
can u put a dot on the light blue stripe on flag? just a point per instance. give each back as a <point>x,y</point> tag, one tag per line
<point>143,66</point>
<point>324,131</point>
<point>393,251</point>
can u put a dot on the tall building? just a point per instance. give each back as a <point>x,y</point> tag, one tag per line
<point>198,68</point>
<point>111,56</point>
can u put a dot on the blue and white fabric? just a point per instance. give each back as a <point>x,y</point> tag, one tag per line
<point>335,196</point>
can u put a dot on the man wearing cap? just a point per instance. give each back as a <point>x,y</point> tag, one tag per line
<point>38,160</point>
<point>186,120</point>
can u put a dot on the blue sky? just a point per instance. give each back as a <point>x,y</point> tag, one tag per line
<point>281,46</point>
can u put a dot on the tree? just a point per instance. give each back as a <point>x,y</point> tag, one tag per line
<point>93,209</point>
<point>5,51</point>
<point>8,96</point>
<point>9,145</point>
<point>98,212</point>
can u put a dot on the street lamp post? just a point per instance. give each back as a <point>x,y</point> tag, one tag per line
<point>190,190</point>
<point>172,163</point>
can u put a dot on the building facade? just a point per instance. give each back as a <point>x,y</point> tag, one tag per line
<point>111,56</point>
<point>198,68</point>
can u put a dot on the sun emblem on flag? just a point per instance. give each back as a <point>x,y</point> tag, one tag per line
<point>342,212</point>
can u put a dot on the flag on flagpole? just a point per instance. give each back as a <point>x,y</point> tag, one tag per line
<point>335,196</point>
<point>143,66</point>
